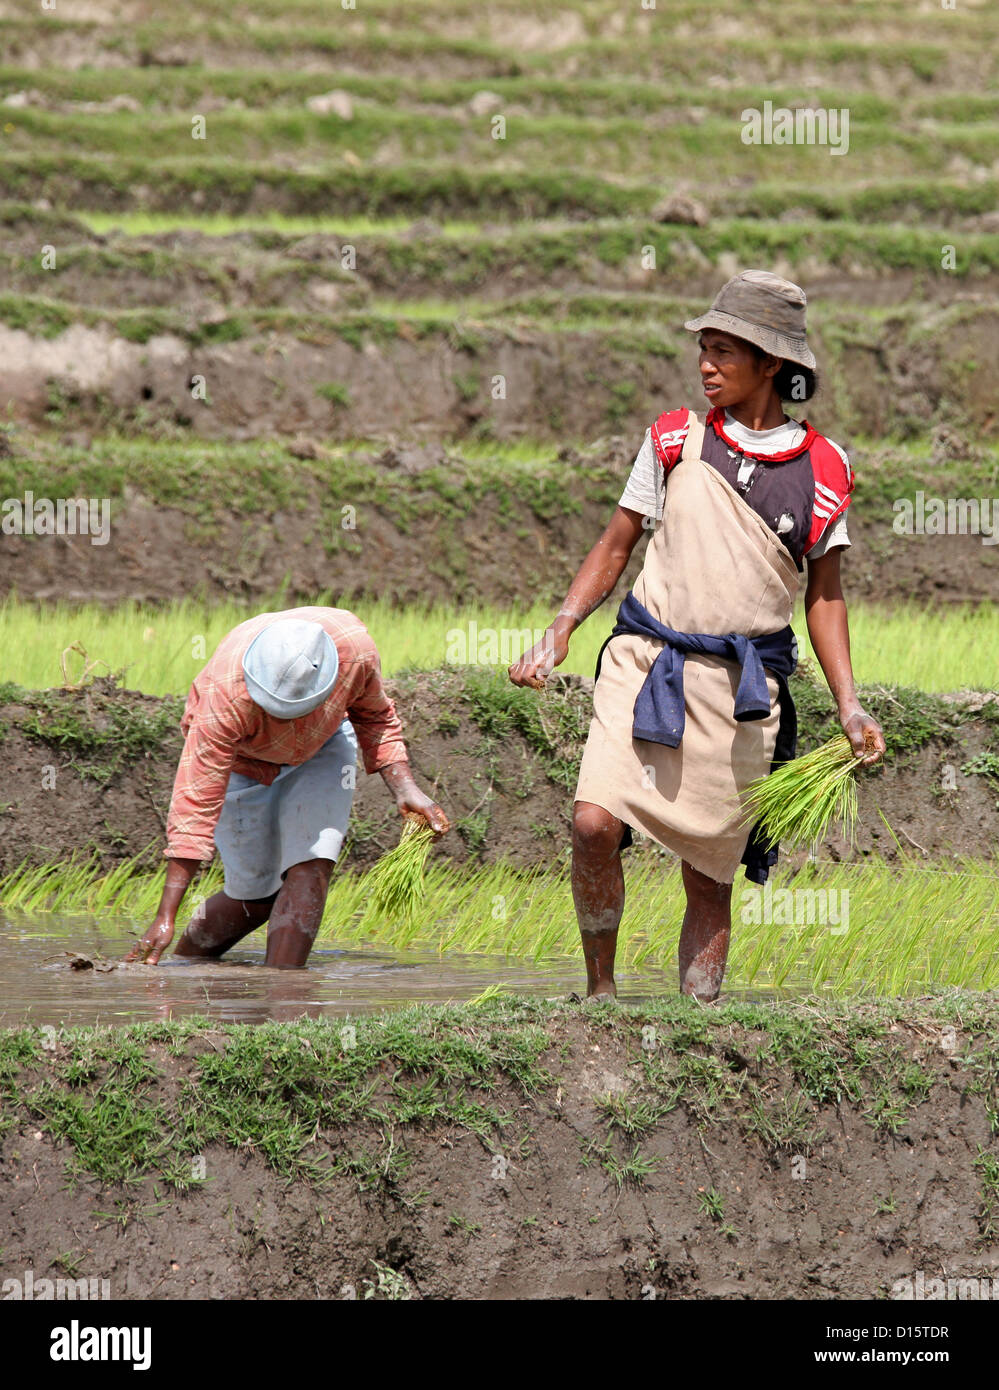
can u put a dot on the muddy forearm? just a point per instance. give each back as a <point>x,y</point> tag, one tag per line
<point>399,779</point>
<point>179,875</point>
<point>600,571</point>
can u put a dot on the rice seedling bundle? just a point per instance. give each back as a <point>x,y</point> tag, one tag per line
<point>798,801</point>
<point>396,884</point>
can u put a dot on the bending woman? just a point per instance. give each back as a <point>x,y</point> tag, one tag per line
<point>738,502</point>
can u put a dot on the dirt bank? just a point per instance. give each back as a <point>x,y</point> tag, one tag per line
<point>556,262</point>
<point>418,521</point>
<point>509,1150</point>
<point>90,772</point>
<point>887,375</point>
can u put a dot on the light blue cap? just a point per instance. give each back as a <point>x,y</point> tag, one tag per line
<point>290,667</point>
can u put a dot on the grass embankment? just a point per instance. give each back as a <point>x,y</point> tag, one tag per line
<point>160,650</point>
<point>161,91</point>
<point>507,757</point>
<point>577,102</point>
<point>544,506</point>
<point>585,23</point>
<point>636,325</point>
<point>510,1148</point>
<point>849,929</point>
<point>317,1100</point>
<point>889,49</point>
<point>427,190</point>
<point>451,261</point>
<point>877,148</point>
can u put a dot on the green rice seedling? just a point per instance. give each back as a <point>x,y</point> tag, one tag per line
<point>396,885</point>
<point>153,646</point>
<point>129,890</point>
<point>864,928</point>
<point>712,1203</point>
<point>490,992</point>
<point>798,801</point>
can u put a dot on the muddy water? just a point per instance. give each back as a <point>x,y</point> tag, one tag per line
<point>38,984</point>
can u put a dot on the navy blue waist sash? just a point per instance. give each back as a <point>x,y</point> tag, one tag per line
<point>660,710</point>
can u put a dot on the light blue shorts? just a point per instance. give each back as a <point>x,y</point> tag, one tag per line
<point>302,815</point>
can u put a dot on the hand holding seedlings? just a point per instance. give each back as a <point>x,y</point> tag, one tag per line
<point>798,801</point>
<point>866,738</point>
<point>398,777</point>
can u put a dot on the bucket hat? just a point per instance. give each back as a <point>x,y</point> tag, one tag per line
<point>290,667</point>
<point>763,309</point>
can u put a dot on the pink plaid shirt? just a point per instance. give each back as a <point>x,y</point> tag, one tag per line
<point>226,732</point>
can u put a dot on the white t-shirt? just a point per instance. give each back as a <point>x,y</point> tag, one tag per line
<point>643,491</point>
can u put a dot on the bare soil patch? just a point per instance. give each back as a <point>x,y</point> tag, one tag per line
<point>656,1165</point>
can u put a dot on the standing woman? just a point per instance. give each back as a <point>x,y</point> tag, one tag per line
<point>691,700</point>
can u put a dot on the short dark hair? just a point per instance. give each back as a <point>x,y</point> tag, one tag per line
<point>792,381</point>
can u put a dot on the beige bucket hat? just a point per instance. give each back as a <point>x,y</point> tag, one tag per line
<point>763,309</point>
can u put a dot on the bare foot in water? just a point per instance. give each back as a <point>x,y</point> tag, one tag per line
<point>706,999</point>
<point>702,984</point>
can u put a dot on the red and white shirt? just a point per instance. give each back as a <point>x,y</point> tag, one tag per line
<point>804,503</point>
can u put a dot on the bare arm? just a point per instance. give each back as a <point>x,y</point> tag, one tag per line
<point>828,629</point>
<point>160,934</point>
<point>594,581</point>
<point>399,779</point>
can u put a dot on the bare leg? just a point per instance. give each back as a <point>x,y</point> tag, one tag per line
<point>297,912</point>
<point>704,938</point>
<point>597,891</point>
<point>220,922</point>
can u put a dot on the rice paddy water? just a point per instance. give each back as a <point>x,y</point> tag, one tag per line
<point>839,929</point>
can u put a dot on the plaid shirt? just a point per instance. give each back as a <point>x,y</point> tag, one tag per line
<point>225,731</point>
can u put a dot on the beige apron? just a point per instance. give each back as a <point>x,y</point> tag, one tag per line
<point>712,565</point>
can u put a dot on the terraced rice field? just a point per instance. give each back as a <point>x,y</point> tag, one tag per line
<point>373,307</point>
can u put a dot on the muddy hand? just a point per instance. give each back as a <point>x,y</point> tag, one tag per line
<point>536,665</point>
<point>153,944</point>
<point>416,803</point>
<point>866,738</point>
